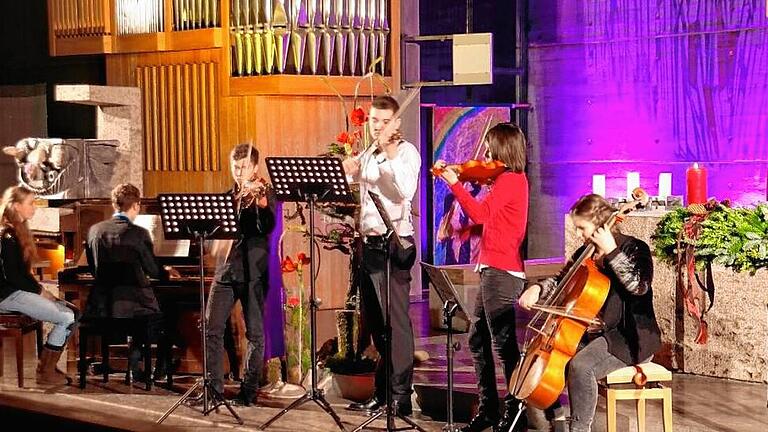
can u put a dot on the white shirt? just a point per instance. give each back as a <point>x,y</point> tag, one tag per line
<point>395,181</point>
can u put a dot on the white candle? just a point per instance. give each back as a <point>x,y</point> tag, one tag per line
<point>633,182</point>
<point>665,185</point>
<point>598,184</point>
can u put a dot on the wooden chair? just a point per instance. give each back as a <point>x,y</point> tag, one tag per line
<point>16,325</point>
<point>619,385</point>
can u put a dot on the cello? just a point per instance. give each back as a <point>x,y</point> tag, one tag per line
<point>539,377</point>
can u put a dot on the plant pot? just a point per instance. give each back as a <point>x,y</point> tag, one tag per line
<point>358,388</point>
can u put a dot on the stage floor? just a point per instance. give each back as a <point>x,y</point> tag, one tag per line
<point>699,403</point>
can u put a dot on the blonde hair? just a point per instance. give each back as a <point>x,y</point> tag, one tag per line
<point>593,208</point>
<point>13,222</point>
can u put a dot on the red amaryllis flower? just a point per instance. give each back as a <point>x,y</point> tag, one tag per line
<point>287,266</point>
<point>303,258</point>
<point>358,117</point>
<point>344,138</point>
<point>293,301</point>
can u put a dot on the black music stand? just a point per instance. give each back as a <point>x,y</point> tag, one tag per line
<point>388,409</point>
<point>311,180</point>
<point>452,305</point>
<point>200,217</point>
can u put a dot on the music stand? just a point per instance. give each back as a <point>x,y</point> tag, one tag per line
<point>388,409</point>
<point>310,180</point>
<point>452,305</point>
<point>200,217</point>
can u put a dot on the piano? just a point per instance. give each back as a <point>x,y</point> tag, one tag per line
<point>179,298</point>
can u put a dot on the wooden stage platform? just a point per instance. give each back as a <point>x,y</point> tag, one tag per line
<point>700,404</point>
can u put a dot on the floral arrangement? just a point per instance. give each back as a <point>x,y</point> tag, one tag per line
<point>352,142</point>
<point>296,320</point>
<point>736,238</point>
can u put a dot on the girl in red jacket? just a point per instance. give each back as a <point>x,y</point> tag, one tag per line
<point>503,212</point>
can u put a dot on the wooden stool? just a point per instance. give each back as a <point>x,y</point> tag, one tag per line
<point>619,385</point>
<point>16,325</point>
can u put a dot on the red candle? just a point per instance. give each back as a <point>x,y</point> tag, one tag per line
<point>696,185</point>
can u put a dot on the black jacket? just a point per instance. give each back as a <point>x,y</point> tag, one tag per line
<point>245,260</point>
<point>121,259</point>
<point>14,273</point>
<point>631,329</point>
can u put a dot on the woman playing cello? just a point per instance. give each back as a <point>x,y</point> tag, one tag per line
<point>629,334</point>
<point>503,214</point>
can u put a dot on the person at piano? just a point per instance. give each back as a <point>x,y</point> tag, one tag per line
<point>20,291</point>
<point>121,258</point>
<point>629,334</point>
<point>242,275</point>
<point>503,212</point>
<point>392,171</point>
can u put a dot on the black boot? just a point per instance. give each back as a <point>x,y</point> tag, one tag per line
<point>245,397</point>
<point>479,423</point>
<point>370,405</point>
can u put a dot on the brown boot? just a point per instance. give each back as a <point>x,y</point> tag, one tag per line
<point>47,374</point>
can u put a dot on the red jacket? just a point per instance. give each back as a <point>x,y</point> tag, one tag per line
<point>504,215</point>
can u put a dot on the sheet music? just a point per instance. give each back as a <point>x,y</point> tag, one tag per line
<point>162,247</point>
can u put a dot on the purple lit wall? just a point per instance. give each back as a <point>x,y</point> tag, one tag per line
<point>647,86</point>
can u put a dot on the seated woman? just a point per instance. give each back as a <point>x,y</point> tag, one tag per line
<point>20,291</point>
<point>630,334</point>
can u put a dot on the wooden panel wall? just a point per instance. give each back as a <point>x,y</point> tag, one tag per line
<point>189,143</point>
<point>181,122</point>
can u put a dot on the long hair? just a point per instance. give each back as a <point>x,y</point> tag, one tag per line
<point>595,209</point>
<point>11,221</point>
<point>507,143</point>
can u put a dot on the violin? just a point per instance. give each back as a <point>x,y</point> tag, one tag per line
<point>252,191</point>
<point>476,171</point>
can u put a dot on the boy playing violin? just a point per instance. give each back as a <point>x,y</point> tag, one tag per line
<point>503,212</point>
<point>242,276</point>
<point>630,334</point>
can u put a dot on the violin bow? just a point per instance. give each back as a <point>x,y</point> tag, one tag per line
<point>388,128</point>
<point>481,139</point>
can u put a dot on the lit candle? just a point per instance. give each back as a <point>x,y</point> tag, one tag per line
<point>696,185</point>
<point>598,184</point>
<point>665,185</point>
<point>633,182</point>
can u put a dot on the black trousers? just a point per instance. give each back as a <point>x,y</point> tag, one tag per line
<point>220,302</point>
<point>373,289</point>
<point>493,329</point>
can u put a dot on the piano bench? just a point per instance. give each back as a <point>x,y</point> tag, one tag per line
<point>16,325</point>
<point>144,329</point>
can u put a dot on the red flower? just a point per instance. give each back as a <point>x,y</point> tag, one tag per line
<point>344,138</point>
<point>292,301</point>
<point>288,266</point>
<point>303,258</point>
<point>358,117</point>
